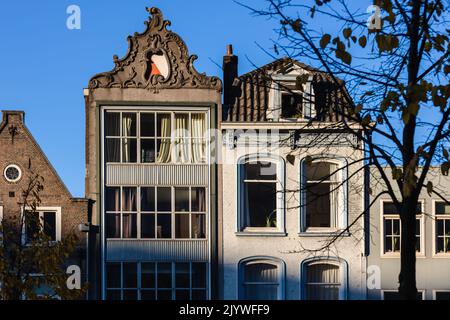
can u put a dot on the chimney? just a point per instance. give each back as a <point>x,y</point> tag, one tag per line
<point>13,116</point>
<point>230,72</point>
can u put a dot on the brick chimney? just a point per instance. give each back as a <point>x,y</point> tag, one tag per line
<point>230,72</point>
<point>13,116</point>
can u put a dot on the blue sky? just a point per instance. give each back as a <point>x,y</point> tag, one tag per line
<point>45,66</point>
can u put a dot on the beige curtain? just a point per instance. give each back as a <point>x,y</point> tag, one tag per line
<point>198,133</point>
<point>181,143</point>
<point>165,147</point>
<point>261,281</point>
<point>127,122</point>
<point>322,282</point>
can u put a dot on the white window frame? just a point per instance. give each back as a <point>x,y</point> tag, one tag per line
<point>343,270</point>
<point>41,210</point>
<point>281,274</point>
<point>241,229</point>
<point>434,232</point>
<point>439,290</point>
<point>342,196</point>
<point>421,291</point>
<point>419,254</point>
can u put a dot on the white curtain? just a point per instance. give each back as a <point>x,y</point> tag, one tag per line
<point>165,147</point>
<point>181,144</point>
<point>322,282</point>
<point>128,204</point>
<point>261,281</point>
<point>198,133</point>
<point>127,122</point>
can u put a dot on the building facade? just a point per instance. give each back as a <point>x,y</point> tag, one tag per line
<point>432,234</point>
<point>150,171</point>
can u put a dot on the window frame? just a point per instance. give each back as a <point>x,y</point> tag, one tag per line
<point>343,273</point>
<point>241,229</point>
<point>396,254</point>
<point>435,219</point>
<point>342,196</point>
<point>435,291</point>
<point>281,274</point>
<point>41,211</point>
<point>382,292</point>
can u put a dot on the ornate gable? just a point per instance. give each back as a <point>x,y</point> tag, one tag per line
<point>156,59</point>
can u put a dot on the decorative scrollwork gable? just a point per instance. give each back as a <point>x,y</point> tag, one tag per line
<point>156,59</point>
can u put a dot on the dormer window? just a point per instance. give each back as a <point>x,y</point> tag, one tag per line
<point>291,105</point>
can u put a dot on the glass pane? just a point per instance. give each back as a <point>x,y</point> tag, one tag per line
<point>198,294</point>
<point>321,171</point>
<point>198,275</point>
<point>318,205</point>
<point>163,125</point>
<point>129,124</point>
<point>182,226</point>
<point>396,226</point>
<point>163,150</point>
<point>181,199</point>
<point>164,199</point>
<point>129,150</point>
<point>148,154</point>
<point>442,208</point>
<point>113,295</point>
<point>396,243</point>
<point>112,150</point>
<point>322,273</point>
<point>147,199</point>
<point>164,294</point>
<point>388,227</point>
<point>291,105</point>
<point>198,125</point>
<point>50,225</point>
<point>260,199</point>
<point>130,275</point>
<point>148,275</point>
<point>389,208</point>
<point>129,199</point>
<point>198,199</point>
<point>147,226</point>
<point>164,275</point>
<point>261,292</point>
<point>388,244</point>
<point>112,124</point>
<point>260,171</point>
<point>113,275</point>
<point>129,294</point>
<point>164,226</point>
<point>147,124</point>
<point>198,224</point>
<point>129,225</point>
<point>112,199</point>
<point>442,295</point>
<point>182,275</point>
<point>322,292</point>
<point>148,295</point>
<point>113,225</point>
<point>261,272</point>
<point>182,294</point>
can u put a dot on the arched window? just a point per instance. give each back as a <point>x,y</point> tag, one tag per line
<point>323,195</point>
<point>324,280</point>
<point>261,194</point>
<point>261,279</point>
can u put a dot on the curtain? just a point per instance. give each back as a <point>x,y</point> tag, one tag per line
<point>323,282</point>
<point>165,147</point>
<point>198,133</point>
<point>335,207</point>
<point>181,145</point>
<point>128,205</point>
<point>127,122</point>
<point>261,281</point>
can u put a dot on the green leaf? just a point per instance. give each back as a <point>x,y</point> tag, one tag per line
<point>325,41</point>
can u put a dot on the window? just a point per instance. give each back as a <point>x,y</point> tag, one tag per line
<point>291,104</point>
<point>392,228</point>
<point>323,197</point>
<point>442,295</point>
<point>261,280</point>
<point>163,212</point>
<point>442,227</point>
<point>394,295</point>
<point>156,281</point>
<point>45,220</point>
<point>323,280</point>
<point>261,195</point>
<point>155,137</point>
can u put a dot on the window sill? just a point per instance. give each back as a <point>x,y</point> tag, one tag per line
<point>260,234</point>
<point>324,233</point>
<point>396,255</point>
<point>441,255</point>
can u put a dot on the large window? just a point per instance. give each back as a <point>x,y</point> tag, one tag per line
<point>392,228</point>
<point>156,281</point>
<point>442,227</point>
<point>155,137</point>
<point>159,212</point>
<point>323,192</point>
<point>324,280</point>
<point>43,220</point>
<point>261,280</point>
<point>261,195</point>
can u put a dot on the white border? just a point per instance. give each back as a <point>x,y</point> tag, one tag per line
<point>441,255</point>
<point>12,166</point>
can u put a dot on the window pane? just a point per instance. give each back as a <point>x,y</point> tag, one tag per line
<point>130,275</point>
<point>182,275</point>
<point>147,199</point>
<point>163,151</point>
<point>442,208</point>
<point>50,225</point>
<point>318,205</point>
<point>182,295</point>
<point>164,199</point>
<point>129,294</point>
<point>198,224</point>
<point>163,125</point>
<point>321,171</point>
<point>260,272</point>
<point>148,295</point>
<point>147,125</point>
<point>147,226</point>
<point>129,199</point>
<point>442,295</point>
<point>164,294</point>
<point>260,202</point>
<point>181,199</point>
<point>260,171</point>
<point>148,154</point>
<point>389,208</point>
<point>291,105</point>
<point>164,226</point>
<point>129,225</point>
<point>113,275</point>
<point>129,152</point>
<point>113,225</point>
<point>148,275</point>
<point>394,295</point>
<point>112,124</point>
<point>164,275</point>
<point>182,226</point>
<point>198,275</point>
<point>322,282</point>
<point>112,199</point>
<point>112,150</point>
<point>113,295</point>
<point>261,292</point>
<point>129,124</point>
<point>198,294</point>
<point>198,199</point>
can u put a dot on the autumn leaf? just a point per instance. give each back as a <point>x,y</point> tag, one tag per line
<point>362,41</point>
<point>325,41</point>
